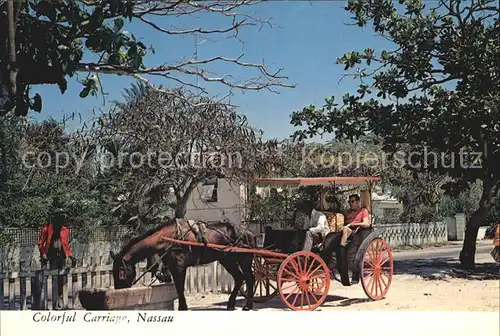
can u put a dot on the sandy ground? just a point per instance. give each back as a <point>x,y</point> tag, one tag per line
<point>417,285</point>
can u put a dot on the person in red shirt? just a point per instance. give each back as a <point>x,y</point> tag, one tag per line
<point>54,242</point>
<point>354,218</point>
<point>54,246</point>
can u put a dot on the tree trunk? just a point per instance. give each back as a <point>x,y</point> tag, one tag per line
<point>467,255</point>
<point>181,206</point>
<point>180,209</point>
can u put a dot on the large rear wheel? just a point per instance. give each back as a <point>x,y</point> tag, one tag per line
<point>377,269</point>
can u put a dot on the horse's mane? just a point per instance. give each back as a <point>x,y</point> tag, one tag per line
<point>144,235</point>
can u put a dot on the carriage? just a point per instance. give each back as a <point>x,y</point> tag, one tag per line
<point>301,278</point>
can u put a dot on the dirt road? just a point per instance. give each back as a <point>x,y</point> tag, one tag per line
<point>422,281</point>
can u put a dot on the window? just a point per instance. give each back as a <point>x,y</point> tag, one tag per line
<point>209,190</point>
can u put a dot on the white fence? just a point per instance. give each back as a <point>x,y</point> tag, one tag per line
<point>23,253</point>
<point>54,290</point>
<point>411,234</point>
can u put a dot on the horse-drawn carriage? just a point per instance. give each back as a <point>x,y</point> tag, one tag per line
<point>305,274</point>
<point>301,278</point>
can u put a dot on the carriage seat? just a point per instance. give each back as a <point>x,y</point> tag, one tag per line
<point>318,247</point>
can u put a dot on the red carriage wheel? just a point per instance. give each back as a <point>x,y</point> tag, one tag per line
<point>265,286</point>
<point>303,281</point>
<point>377,268</point>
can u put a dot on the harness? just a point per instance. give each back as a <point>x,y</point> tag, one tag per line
<point>200,230</point>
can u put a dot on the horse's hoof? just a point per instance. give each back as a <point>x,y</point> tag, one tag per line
<point>246,308</point>
<point>231,308</point>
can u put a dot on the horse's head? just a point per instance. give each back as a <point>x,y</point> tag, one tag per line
<point>123,272</point>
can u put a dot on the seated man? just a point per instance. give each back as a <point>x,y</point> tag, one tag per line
<point>356,217</point>
<point>301,216</point>
<point>318,228</point>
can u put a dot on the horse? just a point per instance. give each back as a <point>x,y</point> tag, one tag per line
<point>179,257</point>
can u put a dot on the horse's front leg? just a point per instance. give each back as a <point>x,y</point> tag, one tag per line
<point>246,267</point>
<point>231,266</point>
<point>179,275</point>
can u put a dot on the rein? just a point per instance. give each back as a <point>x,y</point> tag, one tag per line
<point>157,261</point>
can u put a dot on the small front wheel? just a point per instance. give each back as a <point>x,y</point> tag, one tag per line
<point>265,287</point>
<point>303,281</point>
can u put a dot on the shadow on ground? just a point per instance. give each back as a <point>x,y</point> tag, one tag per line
<point>445,268</point>
<point>276,303</point>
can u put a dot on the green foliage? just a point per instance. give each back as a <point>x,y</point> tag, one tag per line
<point>54,40</point>
<point>55,36</point>
<point>465,202</point>
<point>269,210</point>
<point>437,91</point>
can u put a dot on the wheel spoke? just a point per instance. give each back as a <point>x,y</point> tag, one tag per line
<point>292,292</point>
<point>382,280</point>
<point>307,266</point>
<point>292,274</point>
<point>288,280</point>
<point>295,267</point>
<point>370,252</point>
<point>323,285</point>
<point>289,286</point>
<point>377,269</point>
<point>307,299</point>
<point>318,273</point>
<point>369,262</point>
<point>303,270</point>
<point>296,297</point>
<point>271,285</point>
<point>309,269</point>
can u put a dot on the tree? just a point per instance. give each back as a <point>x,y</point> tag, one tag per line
<point>45,42</point>
<point>436,91</point>
<point>159,142</point>
<point>46,163</point>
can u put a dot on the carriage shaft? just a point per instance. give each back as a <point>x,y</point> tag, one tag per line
<point>228,248</point>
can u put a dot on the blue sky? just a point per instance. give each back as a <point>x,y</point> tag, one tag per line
<point>309,38</point>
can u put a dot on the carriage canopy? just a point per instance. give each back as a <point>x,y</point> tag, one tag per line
<point>316,181</point>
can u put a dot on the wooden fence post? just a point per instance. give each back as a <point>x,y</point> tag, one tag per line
<point>74,289</point>
<point>93,273</point>
<point>214,278</point>
<point>12,293</point>
<point>64,287</point>
<point>1,293</point>
<point>35,292</point>
<point>55,292</point>
<point>42,285</point>
<point>22,293</point>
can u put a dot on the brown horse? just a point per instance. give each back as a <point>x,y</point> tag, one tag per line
<point>179,257</point>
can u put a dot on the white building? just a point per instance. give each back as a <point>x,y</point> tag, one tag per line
<point>218,200</point>
<point>384,205</point>
<point>221,199</point>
